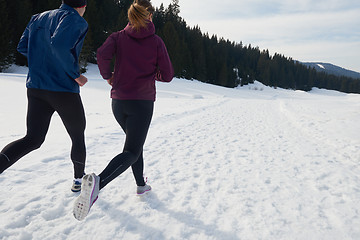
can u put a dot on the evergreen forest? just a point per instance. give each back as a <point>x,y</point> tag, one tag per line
<point>194,54</point>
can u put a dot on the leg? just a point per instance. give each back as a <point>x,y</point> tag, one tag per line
<point>138,170</point>
<point>37,121</point>
<point>138,166</point>
<point>71,111</point>
<point>134,117</point>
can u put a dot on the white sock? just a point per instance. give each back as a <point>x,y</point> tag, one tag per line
<point>78,179</point>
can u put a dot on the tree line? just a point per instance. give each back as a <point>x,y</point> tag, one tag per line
<point>194,54</point>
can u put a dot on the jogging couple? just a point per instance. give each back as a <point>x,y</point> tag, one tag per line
<point>52,42</point>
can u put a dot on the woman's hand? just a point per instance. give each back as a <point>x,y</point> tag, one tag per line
<point>110,80</point>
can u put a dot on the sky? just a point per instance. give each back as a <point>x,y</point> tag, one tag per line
<point>309,31</point>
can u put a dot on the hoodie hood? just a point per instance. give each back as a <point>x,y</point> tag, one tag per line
<point>142,33</point>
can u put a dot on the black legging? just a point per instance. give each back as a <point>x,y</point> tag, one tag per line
<point>41,106</point>
<point>134,117</point>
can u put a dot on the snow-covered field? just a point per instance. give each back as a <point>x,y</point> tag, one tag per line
<point>246,163</point>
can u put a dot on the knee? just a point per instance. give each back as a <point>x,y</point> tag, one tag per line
<point>132,156</point>
<point>37,145</point>
<point>34,142</point>
<point>4,162</point>
<point>77,138</point>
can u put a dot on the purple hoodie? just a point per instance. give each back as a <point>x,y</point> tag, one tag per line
<point>140,59</point>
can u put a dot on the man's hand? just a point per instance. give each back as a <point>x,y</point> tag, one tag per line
<point>81,80</point>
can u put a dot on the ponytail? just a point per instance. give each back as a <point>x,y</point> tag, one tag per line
<point>139,13</point>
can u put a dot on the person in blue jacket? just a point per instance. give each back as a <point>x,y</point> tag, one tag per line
<point>52,42</point>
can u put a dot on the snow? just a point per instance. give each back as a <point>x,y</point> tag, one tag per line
<point>245,163</point>
<point>321,66</point>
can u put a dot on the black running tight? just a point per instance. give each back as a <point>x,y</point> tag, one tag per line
<point>134,117</point>
<point>41,106</point>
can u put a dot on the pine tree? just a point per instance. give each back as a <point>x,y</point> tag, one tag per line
<point>263,68</point>
<point>96,30</point>
<point>87,54</point>
<point>5,37</point>
<point>159,18</point>
<point>198,61</point>
<point>172,42</point>
<point>21,12</point>
<point>173,10</point>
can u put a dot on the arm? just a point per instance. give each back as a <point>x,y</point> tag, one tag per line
<point>104,57</point>
<point>23,43</point>
<point>165,72</point>
<point>66,44</point>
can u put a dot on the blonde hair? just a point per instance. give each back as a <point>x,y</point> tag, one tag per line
<point>139,13</point>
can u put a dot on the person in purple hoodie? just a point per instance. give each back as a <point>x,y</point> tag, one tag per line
<point>140,59</point>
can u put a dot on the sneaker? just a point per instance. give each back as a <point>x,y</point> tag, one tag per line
<point>143,189</point>
<point>88,196</point>
<point>76,187</point>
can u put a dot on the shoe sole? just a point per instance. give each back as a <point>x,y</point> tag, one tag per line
<point>146,191</point>
<point>76,190</point>
<point>83,203</point>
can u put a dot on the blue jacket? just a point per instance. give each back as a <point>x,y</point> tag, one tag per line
<point>52,42</point>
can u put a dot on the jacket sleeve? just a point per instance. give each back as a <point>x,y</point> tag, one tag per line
<point>23,43</point>
<point>105,55</point>
<point>67,41</point>
<point>165,72</point>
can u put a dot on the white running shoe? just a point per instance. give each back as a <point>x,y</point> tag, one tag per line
<point>143,189</point>
<point>88,196</point>
<point>76,187</point>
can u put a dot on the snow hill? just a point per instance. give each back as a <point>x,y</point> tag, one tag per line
<point>225,164</point>
<point>333,69</point>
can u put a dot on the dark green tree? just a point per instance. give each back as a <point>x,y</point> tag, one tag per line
<point>21,12</point>
<point>5,37</point>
